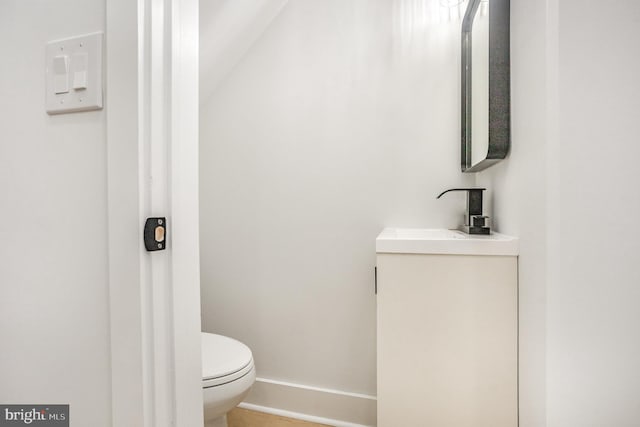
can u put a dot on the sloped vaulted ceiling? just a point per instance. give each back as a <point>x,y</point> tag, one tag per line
<point>228,29</point>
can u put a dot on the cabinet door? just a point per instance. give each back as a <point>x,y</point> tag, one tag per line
<point>447,341</point>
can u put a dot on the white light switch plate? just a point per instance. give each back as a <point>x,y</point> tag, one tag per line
<point>83,74</point>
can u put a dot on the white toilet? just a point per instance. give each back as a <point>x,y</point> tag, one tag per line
<point>227,375</point>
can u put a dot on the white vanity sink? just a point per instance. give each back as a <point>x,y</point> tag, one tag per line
<point>447,328</point>
<point>443,241</point>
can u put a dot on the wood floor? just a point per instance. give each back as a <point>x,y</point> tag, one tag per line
<point>239,417</point>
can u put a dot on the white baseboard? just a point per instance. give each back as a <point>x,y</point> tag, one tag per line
<point>320,405</point>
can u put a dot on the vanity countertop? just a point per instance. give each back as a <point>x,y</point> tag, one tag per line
<point>443,241</point>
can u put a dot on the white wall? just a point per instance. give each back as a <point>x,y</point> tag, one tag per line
<point>343,118</point>
<point>594,240</point>
<point>53,252</point>
<point>570,191</point>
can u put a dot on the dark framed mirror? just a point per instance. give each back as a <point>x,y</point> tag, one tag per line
<point>486,92</point>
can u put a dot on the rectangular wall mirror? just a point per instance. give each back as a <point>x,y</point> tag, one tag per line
<point>486,118</point>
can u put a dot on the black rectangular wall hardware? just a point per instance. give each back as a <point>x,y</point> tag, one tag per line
<point>155,234</point>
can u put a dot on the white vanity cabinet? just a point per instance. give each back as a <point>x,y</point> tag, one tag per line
<point>447,329</point>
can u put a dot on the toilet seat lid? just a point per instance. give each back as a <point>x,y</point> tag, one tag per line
<point>222,356</point>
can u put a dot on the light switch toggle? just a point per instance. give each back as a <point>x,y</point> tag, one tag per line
<point>61,74</point>
<point>79,63</point>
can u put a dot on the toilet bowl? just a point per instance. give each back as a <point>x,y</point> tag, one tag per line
<point>227,375</point>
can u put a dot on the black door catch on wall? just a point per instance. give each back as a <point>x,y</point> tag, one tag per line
<point>155,234</point>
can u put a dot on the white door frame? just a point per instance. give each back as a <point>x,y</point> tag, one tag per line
<point>152,151</point>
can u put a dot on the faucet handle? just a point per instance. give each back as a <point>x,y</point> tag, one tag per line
<point>478,221</point>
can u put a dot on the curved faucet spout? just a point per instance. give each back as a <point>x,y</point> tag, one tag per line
<point>459,189</point>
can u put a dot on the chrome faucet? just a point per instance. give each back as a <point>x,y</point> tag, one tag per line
<point>474,221</point>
